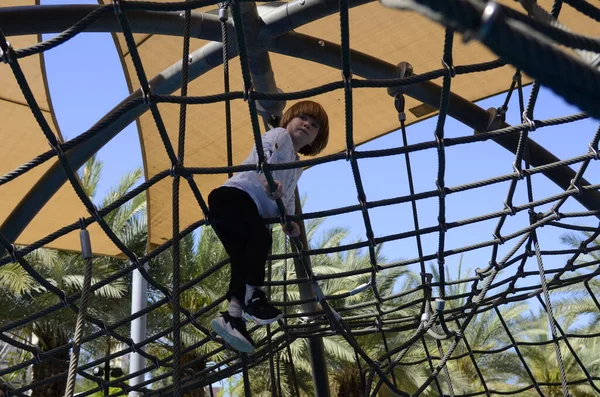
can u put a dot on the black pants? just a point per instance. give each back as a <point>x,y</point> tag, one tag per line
<point>235,218</point>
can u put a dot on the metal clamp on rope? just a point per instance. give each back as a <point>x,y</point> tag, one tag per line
<point>12,251</point>
<point>347,79</point>
<point>594,151</point>
<point>517,169</point>
<point>362,199</point>
<point>84,239</point>
<point>499,237</point>
<point>575,186</point>
<point>6,52</point>
<point>94,213</point>
<point>349,153</point>
<point>441,189</point>
<point>441,261</point>
<point>248,92</point>
<point>508,206</point>
<point>117,6</point>
<point>146,94</point>
<point>449,68</point>
<point>490,15</point>
<point>400,104</point>
<point>442,223</point>
<point>223,14</point>
<point>556,213</point>
<point>57,148</point>
<point>361,288</point>
<point>441,145</point>
<point>527,120</point>
<point>173,171</point>
<point>440,332</point>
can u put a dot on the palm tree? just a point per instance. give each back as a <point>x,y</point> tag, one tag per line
<point>580,301</point>
<point>542,360</point>
<point>65,271</point>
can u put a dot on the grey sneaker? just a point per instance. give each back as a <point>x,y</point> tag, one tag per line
<point>233,331</point>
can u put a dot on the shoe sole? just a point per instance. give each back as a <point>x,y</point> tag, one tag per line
<point>261,321</point>
<point>232,341</point>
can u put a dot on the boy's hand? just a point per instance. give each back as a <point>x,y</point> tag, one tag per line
<point>277,194</point>
<point>295,230</point>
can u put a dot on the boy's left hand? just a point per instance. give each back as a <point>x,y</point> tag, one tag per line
<point>295,230</point>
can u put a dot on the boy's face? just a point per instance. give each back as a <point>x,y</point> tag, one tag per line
<point>303,130</point>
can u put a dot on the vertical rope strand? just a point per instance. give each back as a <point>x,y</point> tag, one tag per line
<point>80,324</point>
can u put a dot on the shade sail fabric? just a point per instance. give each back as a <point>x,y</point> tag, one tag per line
<point>390,35</point>
<point>22,140</point>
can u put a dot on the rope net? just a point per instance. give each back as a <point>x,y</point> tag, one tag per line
<point>425,338</point>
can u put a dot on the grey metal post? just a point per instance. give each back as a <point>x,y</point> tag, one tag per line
<point>139,299</point>
<point>316,349</point>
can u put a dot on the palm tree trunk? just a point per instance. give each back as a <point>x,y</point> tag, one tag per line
<point>48,340</point>
<point>349,382</point>
<point>194,368</point>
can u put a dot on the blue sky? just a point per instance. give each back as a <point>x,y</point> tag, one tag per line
<point>86,81</point>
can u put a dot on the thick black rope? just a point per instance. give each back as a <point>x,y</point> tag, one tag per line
<point>176,254</point>
<point>223,17</point>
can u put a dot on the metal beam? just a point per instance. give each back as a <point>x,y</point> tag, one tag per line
<point>316,349</point>
<point>26,20</point>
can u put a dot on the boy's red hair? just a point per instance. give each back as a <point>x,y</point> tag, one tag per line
<point>316,111</point>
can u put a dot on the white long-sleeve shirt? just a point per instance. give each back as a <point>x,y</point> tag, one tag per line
<point>278,148</point>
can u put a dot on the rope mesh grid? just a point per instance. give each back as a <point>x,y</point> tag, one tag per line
<point>489,292</point>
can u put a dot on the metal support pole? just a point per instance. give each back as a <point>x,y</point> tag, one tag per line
<point>139,299</point>
<point>107,368</point>
<point>316,349</point>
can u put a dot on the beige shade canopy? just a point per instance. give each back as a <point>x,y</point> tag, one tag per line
<point>390,35</point>
<point>22,140</point>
